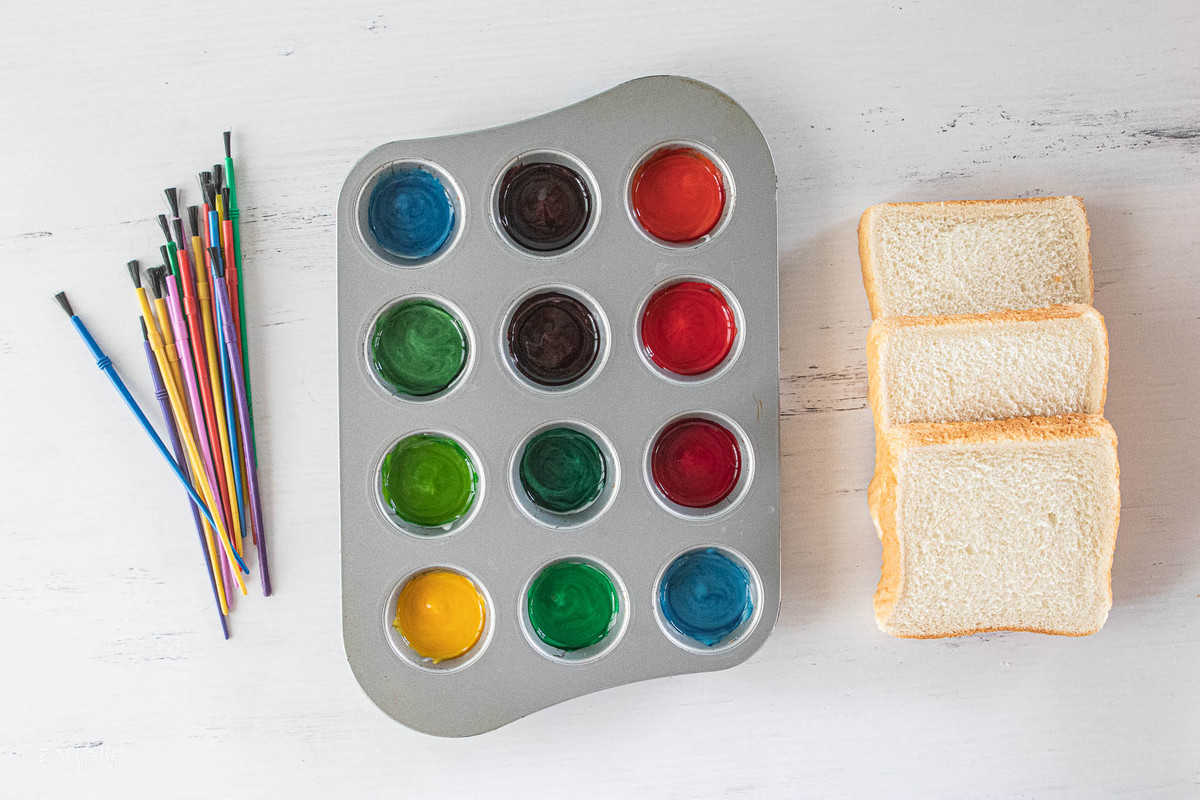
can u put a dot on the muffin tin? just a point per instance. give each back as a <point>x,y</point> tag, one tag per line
<point>650,220</point>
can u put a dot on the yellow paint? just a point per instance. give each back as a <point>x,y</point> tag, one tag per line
<point>440,614</point>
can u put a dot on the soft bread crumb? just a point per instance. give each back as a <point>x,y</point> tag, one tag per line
<point>970,257</point>
<point>1004,525</point>
<point>1043,362</point>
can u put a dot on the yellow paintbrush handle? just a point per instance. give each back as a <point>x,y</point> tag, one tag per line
<point>189,443</point>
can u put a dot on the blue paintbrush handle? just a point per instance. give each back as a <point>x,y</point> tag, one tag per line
<point>106,365</point>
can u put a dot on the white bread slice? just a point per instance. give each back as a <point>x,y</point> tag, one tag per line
<point>1000,525</point>
<point>971,257</point>
<point>1042,362</point>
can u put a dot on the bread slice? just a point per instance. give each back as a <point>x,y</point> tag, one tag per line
<point>1000,525</point>
<point>1042,362</point>
<point>972,257</point>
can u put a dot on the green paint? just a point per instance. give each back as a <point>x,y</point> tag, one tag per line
<point>418,348</point>
<point>428,480</point>
<point>572,605</point>
<point>562,470</point>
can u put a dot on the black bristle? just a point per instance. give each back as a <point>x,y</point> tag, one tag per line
<point>135,272</point>
<point>145,333</point>
<point>173,200</point>
<point>178,223</point>
<point>225,200</point>
<point>228,153</point>
<point>194,219</point>
<point>61,297</point>
<point>204,178</point>
<point>166,226</point>
<point>155,276</point>
<point>164,253</point>
<point>218,176</point>
<point>218,265</point>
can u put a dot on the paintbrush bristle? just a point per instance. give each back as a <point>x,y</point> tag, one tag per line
<point>227,135</point>
<point>145,333</point>
<point>218,173</point>
<point>164,253</point>
<point>173,200</point>
<point>218,265</point>
<point>178,224</point>
<point>135,272</point>
<point>225,199</point>
<point>155,276</point>
<point>194,219</point>
<point>166,227</point>
<point>61,297</point>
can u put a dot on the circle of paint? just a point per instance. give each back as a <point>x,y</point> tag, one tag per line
<point>571,605</point>
<point>428,480</point>
<point>688,328</point>
<point>411,214</point>
<point>542,206</point>
<point>553,339</point>
<point>695,462</point>
<point>705,596</point>
<point>441,614</point>
<point>678,194</point>
<point>562,470</point>
<point>418,348</point>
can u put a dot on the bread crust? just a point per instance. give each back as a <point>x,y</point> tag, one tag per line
<point>882,496</point>
<point>866,251</point>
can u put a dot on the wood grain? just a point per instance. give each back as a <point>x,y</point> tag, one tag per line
<point>115,679</point>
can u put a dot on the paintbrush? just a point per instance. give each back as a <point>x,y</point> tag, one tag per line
<point>206,543</point>
<point>243,416</point>
<point>180,413</point>
<point>105,364</point>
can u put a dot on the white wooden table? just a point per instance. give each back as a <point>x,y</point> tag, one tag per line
<point>114,680</point>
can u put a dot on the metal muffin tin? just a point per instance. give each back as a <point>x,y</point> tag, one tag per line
<point>614,266</point>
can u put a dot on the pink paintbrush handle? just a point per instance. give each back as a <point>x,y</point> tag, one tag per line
<point>183,345</point>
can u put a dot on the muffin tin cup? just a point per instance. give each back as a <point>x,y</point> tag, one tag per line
<point>621,403</point>
<point>739,634</point>
<point>740,488</point>
<point>463,377</point>
<point>729,187</point>
<point>410,656</point>
<point>591,653</point>
<point>604,335</point>
<point>546,156</point>
<point>727,363</point>
<point>363,203</point>
<point>591,512</point>
<point>427,532</point>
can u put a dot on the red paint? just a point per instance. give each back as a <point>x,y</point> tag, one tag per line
<point>678,194</point>
<point>688,328</point>
<point>696,462</point>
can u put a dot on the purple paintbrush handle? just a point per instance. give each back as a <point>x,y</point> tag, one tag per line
<point>164,403</point>
<point>243,409</point>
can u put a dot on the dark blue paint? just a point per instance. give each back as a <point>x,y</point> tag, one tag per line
<point>411,214</point>
<point>705,595</point>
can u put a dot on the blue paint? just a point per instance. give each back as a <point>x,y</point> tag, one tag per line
<point>411,214</point>
<point>705,595</point>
